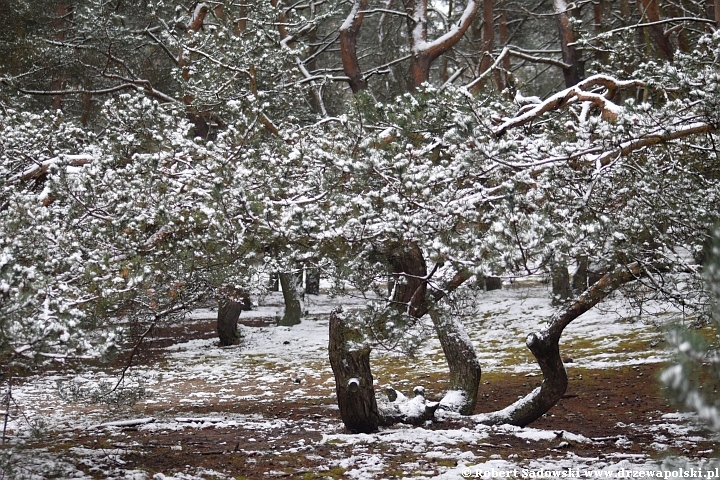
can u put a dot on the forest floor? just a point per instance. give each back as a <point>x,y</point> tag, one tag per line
<point>266,408</point>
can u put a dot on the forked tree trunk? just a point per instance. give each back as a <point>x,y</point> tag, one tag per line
<point>291,295</point>
<point>353,378</point>
<point>545,346</point>
<point>425,52</point>
<point>462,361</point>
<point>409,273</point>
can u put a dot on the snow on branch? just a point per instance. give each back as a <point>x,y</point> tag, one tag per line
<point>198,17</point>
<point>503,54</point>
<point>585,91</point>
<point>40,169</point>
<point>630,146</point>
<point>445,42</point>
<point>127,423</point>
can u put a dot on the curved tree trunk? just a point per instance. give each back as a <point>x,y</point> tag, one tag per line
<point>462,361</point>
<point>353,379</point>
<point>545,346</point>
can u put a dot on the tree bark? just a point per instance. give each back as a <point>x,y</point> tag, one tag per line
<point>488,42</point>
<point>312,281</point>
<point>504,41</point>
<point>409,273</point>
<point>274,282</point>
<point>349,32</point>
<point>570,55</point>
<point>651,10</point>
<point>63,17</point>
<point>561,290</point>
<point>291,295</point>
<point>493,283</point>
<point>600,13</point>
<point>580,278</point>
<point>424,52</point>
<point>462,361</point>
<point>353,378</point>
<point>227,321</point>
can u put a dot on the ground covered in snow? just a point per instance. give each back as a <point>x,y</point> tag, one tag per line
<point>266,408</point>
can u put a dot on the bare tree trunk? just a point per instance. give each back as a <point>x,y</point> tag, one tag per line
<point>504,40</point>
<point>573,73</point>
<point>291,295</point>
<point>488,42</point>
<point>349,31</point>
<point>651,10</point>
<point>600,13</point>
<point>353,379</point>
<point>462,361</point>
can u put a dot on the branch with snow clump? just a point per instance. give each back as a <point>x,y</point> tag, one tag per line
<point>582,92</point>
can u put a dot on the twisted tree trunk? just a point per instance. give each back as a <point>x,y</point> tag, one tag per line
<point>545,347</point>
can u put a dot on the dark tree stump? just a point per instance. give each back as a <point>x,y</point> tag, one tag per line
<point>227,320</point>
<point>353,379</point>
<point>493,283</point>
